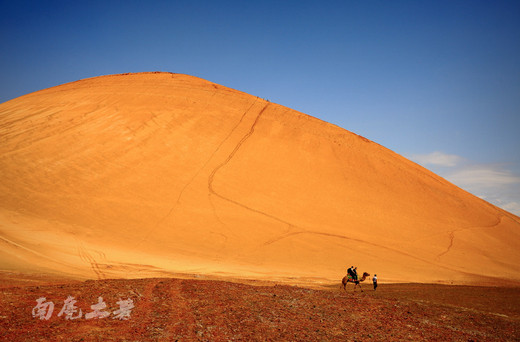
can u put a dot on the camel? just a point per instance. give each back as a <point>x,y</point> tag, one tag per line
<point>347,279</point>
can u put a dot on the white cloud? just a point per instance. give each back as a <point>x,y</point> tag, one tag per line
<point>495,183</point>
<point>491,182</point>
<point>512,207</point>
<point>485,176</point>
<point>436,158</point>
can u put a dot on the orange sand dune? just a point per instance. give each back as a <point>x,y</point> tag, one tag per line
<point>153,174</point>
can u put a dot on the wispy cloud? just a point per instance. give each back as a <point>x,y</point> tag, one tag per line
<point>436,158</point>
<point>484,176</point>
<point>512,207</point>
<point>496,183</point>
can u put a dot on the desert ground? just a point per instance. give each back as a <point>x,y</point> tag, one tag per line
<point>173,309</point>
<point>223,216</point>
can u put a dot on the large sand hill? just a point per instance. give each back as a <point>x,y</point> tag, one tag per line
<point>153,174</point>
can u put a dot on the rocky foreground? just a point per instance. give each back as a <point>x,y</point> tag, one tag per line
<point>169,309</point>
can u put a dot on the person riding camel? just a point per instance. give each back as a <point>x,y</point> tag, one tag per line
<point>354,271</point>
<point>350,272</point>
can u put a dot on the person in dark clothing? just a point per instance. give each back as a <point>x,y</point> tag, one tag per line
<point>350,271</point>
<point>374,280</point>
<point>355,273</point>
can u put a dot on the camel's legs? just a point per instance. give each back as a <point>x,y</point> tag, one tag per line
<point>356,285</point>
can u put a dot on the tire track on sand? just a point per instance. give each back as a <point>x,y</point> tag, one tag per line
<point>343,237</point>
<point>13,244</point>
<point>235,150</point>
<point>452,234</point>
<point>174,206</point>
<point>86,257</point>
<point>451,237</point>
<point>228,159</point>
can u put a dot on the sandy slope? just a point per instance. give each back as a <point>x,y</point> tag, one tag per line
<point>149,174</point>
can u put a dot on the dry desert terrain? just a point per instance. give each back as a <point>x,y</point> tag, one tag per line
<point>167,309</point>
<point>227,217</point>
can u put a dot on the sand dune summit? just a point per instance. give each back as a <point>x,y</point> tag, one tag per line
<point>151,174</point>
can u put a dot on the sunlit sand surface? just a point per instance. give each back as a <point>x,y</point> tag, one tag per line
<point>155,174</point>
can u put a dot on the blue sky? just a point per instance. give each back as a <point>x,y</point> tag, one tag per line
<point>435,81</point>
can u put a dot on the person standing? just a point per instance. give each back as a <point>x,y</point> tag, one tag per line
<point>374,280</point>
